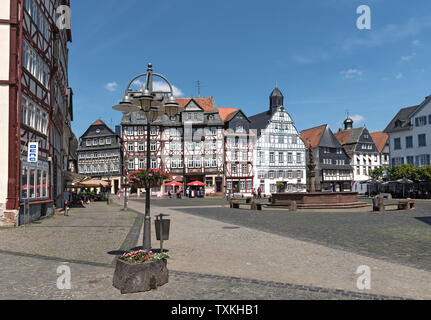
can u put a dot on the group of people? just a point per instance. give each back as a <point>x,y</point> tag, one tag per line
<point>190,193</point>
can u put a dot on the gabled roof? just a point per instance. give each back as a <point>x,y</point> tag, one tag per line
<point>98,123</point>
<point>207,104</point>
<point>313,136</point>
<point>380,139</point>
<point>402,120</point>
<point>260,121</point>
<point>349,136</point>
<point>321,136</point>
<point>227,113</point>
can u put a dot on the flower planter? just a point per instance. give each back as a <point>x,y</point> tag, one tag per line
<point>140,277</point>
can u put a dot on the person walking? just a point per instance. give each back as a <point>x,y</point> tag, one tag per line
<point>259,193</point>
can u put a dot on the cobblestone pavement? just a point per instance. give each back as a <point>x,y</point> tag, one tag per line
<point>37,280</point>
<point>229,247</point>
<point>396,236</point>
<point>210,260</point>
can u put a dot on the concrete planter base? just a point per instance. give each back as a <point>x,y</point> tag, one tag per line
<point>140,277</point>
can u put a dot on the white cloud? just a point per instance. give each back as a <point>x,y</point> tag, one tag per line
<point>111,86</point>
<point>399,76</point>
<point>416,42</point>
<point>408,58</point>
<point>351,73</point>
<point>357,118</point>
<point>389,33</point>
<point>160,86</point>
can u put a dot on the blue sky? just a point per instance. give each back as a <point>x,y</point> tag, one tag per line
<point>323,63</point>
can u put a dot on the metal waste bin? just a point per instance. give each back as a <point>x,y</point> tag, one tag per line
<point>164,225</point>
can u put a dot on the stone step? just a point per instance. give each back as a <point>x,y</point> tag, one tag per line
<point>6,223</point>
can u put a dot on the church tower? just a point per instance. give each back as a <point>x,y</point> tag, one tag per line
<point>276,99</point>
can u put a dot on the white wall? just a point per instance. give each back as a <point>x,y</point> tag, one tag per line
<point>414,132</point>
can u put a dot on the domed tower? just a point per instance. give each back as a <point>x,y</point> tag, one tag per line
<point>276,99</point>
<point>348,123</point>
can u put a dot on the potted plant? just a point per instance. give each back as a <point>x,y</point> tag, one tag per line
<point>140,271</point>
<point>151,178</point>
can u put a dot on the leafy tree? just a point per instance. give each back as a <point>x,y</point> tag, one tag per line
<point>410,172</point>
<point>377,173</point>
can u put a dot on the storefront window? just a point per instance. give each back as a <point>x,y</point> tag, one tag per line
<point>39,189</point>
<point>32,183</point>
<point>24,185</point>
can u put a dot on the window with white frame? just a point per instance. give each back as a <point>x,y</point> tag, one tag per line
<point>34,182</point>
<point>35,64</point>
<point>153,146</point>
<point>130,147</point>
<point>142,164</point>
<point>33,115</point>
<point>131,164</point>
<point>153,163</point>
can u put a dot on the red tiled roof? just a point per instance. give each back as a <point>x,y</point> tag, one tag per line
<point>380,139</point>
<point>226,113</point>
<point>207,104</point>
<point>98,123</point>
<point>343,136</point>
<point>312,136</point>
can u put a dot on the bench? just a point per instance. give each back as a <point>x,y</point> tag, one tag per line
<point>234,204</point>
<point>407,204</point>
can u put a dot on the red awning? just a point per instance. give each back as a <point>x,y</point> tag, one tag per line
<point>173,184</point>
<point>196,184</point>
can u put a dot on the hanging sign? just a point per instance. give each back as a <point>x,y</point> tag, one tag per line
<point>33,150</point>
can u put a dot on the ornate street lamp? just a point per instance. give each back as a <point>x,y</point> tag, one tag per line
<point>149,103</point>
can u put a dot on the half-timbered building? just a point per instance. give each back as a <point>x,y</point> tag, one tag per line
<point>100,154</point>
<point>239,143</point>
<point>36,104</point>
<point>279,153</point>
<point>189,146</point>
<point>333,170</point>
<point>363,152</point>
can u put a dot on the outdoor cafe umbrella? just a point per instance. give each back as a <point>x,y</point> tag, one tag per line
<point>174,184</point>
<point>196,184</point>
<point>404,181</point>
<point>368,182</point>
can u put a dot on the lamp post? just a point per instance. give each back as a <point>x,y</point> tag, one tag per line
<point>149,103</point>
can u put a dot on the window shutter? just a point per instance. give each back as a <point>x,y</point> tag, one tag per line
<point>417,161</point>
<point>417,122</point>
<point>428,160</point>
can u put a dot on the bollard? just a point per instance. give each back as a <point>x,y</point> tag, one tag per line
<point>293,206</point>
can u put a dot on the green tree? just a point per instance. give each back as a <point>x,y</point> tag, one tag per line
<point>377,173</point>
<point>407,171</point>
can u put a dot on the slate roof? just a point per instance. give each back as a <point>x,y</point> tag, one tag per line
<point>402,120</point>
<point>380,139</point>
<point>320,136</point>
<point>312,136</point>
<point>260,121</point>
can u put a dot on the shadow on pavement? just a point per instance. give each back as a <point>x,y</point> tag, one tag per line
<point>426,220</point>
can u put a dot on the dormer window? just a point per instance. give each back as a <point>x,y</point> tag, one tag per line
<point>97,131</point>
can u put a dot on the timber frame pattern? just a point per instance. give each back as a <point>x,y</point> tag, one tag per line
<point>53,97</point>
